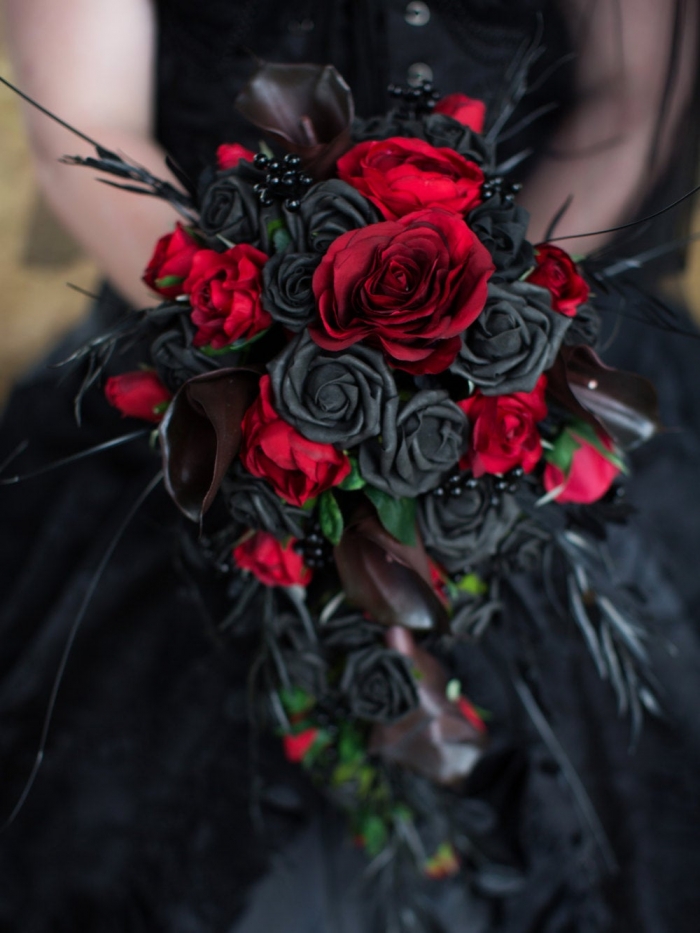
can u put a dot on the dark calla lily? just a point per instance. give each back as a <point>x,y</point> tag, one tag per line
<point>623,404</point>
<point>435,739</point>
<point>388,580</point>
<point>308,109</point>
<point>201,433</point>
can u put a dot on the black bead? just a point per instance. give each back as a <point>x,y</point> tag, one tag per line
<point>266,200</point>
<point>495,500</point>
<point>292,159</point>
<point>472,482</point>
<point>306,180</point>
<point>261,160</point>
<point>439,491</point>
<point>501,485</point>
<point>456,491</point>
<point>292,205</point>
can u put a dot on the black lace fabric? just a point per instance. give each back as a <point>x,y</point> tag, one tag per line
<point>158,806</point>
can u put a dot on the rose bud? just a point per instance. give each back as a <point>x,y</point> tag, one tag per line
<point>401,176</point>
<point>171,262</point>
<point>556,271</point>
<point>271,561</point>
<point>138,394</point>
<point>504,430</point>
<point>228,155</point>
<point>582,465</point>
<point>297,746</point>
<point>465,110</point>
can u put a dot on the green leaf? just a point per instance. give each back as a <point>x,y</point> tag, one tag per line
<point>353,480</point>
<point>309,505</point>
<point>472,584</point>
<point>561,453</point>
<point>330,517</point>
<point>169,280</point>
<point>232,347</point>
<point>279,234</point>
<point>397,515</point>
<point>374,834</point>
<point>344,773</point>
<point>295,700</point>
<point>351,748</point>
<point>281,240</point>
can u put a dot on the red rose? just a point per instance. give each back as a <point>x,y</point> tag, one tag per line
<point>556,271</point>
<point>468,710</point>
<point>296,468</point>
<point>224,290</point>
<point>296,746</point>
<point>171,262</point>
<point>590,471</point>
<point>463,109</point>
<point>409,286</point>
<point>273,563</point>
<point>140,394</point>
<point>504,430</point>
<point>228,155</point>
<point>401,176</point>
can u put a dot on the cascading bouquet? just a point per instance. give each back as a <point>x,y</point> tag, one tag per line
<point>386,403</point>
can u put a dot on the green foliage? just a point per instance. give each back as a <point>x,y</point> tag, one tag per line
<point>398,516</point>
<point>330,517</point>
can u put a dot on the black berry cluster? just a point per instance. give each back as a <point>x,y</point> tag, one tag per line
<point>284,181</point>
<point>414,101</point>
<point>458,482</point>
<point>314,548</point>
<point>496,184</point>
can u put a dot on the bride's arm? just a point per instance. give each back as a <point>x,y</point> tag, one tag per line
<point>603,155</point>
<point>92,63</point>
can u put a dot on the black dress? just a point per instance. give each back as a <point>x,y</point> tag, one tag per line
<point>158,807</point>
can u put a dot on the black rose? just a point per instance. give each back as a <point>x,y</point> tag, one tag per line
<point>334,398</point>
<point>252,503</point>
<point>175,358</point>
<point>328,210</point>
<point>462,531</point>
<point>436,128</point>
<point>419,448</point>
<point>513,341</point>
<point>350,632</point>
<point>296,657</point>
<point>502,228</point>
<point>585,327</point>
<point>287,293</point>
<point>441,130</point>
<point>378,685</point>
<point>229,209</point>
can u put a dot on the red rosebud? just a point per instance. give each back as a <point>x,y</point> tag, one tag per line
<point>171,262</point>
<point>139,394</point>
<point>271,561</point>
<point>409,286</point>
<point>297,746</point>
<point>556,271</point>
<point>401,176</point>
<point>298,469</point>
<point>468,710</point>
<point>228,155</point>
<point>463,109</point>
<point>224,290</point>
<point>590,473</point>
<point>504,430</point>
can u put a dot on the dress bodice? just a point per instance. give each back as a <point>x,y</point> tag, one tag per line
<point>207,51</point>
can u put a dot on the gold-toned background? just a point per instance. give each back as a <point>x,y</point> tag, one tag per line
<point>38,259</point>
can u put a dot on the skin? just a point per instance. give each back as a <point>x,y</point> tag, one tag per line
<point>93,62</point>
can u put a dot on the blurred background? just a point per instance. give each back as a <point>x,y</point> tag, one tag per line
<point>38,259</point>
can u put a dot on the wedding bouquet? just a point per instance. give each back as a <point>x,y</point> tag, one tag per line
<point>381,406</point>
